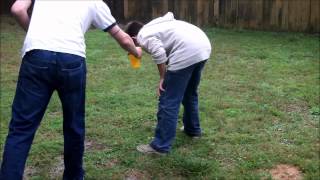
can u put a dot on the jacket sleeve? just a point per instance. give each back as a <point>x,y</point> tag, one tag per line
<point>154,47</point>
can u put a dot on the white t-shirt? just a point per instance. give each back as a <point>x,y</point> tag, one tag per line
<point>178,43</point>
<point>60,25</point>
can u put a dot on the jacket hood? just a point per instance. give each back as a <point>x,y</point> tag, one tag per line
<point>167,17</point>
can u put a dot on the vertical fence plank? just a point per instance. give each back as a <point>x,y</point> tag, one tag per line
<point>243,14</point>
<point>117,9</point>
<point>314,25</point>
<point>266,14</point>
<point>299,15</point>
<point>138,10</point>
<point>159,8</point>
<point>185,10</point>
<point>222,12</point>
<point>216,12</point>
<point>228,12</point>
<point>278,16</point>
<point>256,14</point>
<point>203,12</point>
<point>180,9</point>
<point>192,11</point>
<point>232,12</point>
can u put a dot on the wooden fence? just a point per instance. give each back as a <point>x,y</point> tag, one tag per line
<point>275,15</point>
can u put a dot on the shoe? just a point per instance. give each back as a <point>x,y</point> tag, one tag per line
<point>147,149</point>
<point>192,136</point>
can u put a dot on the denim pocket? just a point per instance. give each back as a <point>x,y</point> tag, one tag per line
<point>72,67</point>
<point>72,75</point>
<point>33,73</point>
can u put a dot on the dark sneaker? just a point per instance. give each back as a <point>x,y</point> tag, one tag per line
<point>147,149</point>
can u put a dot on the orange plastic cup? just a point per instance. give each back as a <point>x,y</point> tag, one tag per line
<point>135,62</point>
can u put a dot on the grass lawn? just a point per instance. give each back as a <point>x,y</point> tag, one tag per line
<point>259,103</point>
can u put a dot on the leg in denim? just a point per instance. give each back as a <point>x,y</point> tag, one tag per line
<point>71,90</point>
<point>175,84</point>
<point>41,73</point>
<point>33,93</point>
<point>190,102</point>
<point>168,109</point>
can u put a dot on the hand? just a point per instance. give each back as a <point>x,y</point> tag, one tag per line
<point>160,87</point>
<point>139,50</point>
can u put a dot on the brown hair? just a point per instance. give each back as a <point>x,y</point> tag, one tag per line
<point>133,28</point>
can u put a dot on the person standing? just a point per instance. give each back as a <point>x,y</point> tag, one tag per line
<point>180,51</point>
<point>53,59</point>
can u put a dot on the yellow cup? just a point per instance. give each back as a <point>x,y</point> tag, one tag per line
<point>135,62</point>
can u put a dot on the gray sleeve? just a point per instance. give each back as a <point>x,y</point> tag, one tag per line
<point>155,47</point>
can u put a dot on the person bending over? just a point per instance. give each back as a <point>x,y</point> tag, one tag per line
<point>180,51</point>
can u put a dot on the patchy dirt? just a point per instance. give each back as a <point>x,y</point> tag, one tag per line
<point>107,165</point>
<point>29,171</point>
<point>300,108</point>
<point>91,145</point>
<point>286,172</point>
<point>57,169</point>
<point>136,175</point>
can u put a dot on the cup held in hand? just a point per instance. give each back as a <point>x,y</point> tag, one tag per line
<point>135,62</point>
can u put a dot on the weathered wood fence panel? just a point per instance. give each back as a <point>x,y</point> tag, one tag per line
<point>276,15</point>
<point>315,16</point>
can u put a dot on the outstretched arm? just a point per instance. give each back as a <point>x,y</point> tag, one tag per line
<point>19,9</point>
<point>125,41</point>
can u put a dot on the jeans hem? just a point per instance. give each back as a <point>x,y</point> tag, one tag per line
<point>157,149</point>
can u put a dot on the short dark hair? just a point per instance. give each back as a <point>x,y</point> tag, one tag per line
<point>133,28</point>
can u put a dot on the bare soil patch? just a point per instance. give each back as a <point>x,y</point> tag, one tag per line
<point>136,175</point>
<point>29,171</point>
<point>58,168</point>
<point>91,145</point>
<point>286,172</point>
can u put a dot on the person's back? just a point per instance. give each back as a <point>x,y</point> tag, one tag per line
<point>60,25</point>
<point>184,43</point>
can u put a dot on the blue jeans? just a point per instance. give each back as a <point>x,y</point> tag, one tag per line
<point>180,86</point>
<point>41,73</point>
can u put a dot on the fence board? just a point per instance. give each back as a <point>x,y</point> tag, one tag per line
<point>138,9</point>
<point>216,11</point>
<point>279,15</point>
<point>205,12</point>
<point>159,7</point>
<point>299,15</point>
<point>314,25</point>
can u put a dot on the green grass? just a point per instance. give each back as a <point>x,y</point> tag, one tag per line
<point>259,107</point>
